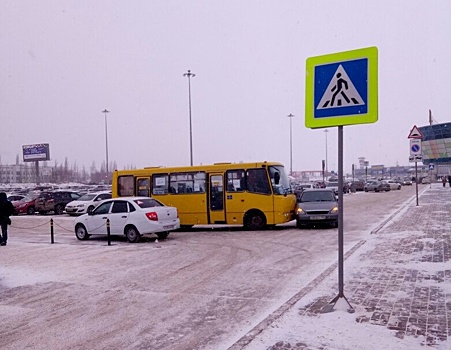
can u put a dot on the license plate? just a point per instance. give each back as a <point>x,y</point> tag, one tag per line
<point>168,227</point>
<point>317,217</point>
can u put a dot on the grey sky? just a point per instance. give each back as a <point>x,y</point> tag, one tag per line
<point>63,62</point>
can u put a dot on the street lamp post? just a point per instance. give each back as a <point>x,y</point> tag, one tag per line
<point>326,131</point>
<point>189,75</point>
<point>105,111</point>
<point>291,145</point>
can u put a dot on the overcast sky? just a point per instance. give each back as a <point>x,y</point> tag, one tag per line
<point>63,62</point>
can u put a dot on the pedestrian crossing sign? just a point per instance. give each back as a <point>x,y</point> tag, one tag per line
<point>341,88</point>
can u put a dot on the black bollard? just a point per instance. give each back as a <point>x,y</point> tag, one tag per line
<point>108,231</point>
<point>51,231</point>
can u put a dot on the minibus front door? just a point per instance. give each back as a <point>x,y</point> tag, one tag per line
<point>216,210</point>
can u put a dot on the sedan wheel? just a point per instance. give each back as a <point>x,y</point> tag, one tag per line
<point>59,209</point>
<point>30,211</point>
<point>132,234</point>
<point>81,233</point>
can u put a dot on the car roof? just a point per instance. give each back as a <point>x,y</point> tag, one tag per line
<point>318,190</point>
<point>130,198</point>
<point>99,192</point>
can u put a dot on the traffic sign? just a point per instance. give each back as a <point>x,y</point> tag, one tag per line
<point>415,158</point>
<point>342,88</point>
<point>415,133</point>
<point>415,147</point>
<point>431,166</point>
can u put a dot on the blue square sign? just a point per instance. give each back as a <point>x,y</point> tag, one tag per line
<point>341,88</point>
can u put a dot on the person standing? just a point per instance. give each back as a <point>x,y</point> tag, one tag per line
<point>449,180</point>
<point>444,181</point>
<point>6,210</point>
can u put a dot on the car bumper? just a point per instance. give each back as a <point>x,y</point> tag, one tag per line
<point>316,218</point>
<point>75,211</point>
<point>159,227</point>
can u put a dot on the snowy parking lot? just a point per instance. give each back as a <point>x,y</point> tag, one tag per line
<point>199,289</point>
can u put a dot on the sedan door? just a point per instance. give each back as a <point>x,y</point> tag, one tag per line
<point>96,221</point>
<point>118,216</point>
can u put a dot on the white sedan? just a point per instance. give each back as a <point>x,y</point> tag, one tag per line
<point>394,185</point>
<point>129,216</point>
<point>86,203</point>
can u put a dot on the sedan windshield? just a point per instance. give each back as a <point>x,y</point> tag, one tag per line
<point>148,203</point>
<point>86,197</point>
<point>318,196</point>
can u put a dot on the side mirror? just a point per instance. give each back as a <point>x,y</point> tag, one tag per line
<point>276,178</point>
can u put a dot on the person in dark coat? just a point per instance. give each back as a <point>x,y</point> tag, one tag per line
<point>6,210</point>
<point>449,180</point>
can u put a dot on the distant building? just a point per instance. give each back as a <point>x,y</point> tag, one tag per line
<point>436,147</point>
<point>24,173</point>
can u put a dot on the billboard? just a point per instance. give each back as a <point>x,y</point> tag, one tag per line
<point>436,143</point>
<point>33,153</point>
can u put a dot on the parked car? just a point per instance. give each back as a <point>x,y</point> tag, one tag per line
<point>358,185</point>
<point>377,186</point>
<point>333,186</point>
<point>15,197</point>
<point>26,205</point>
<point>129,216</point>
<point>317,206</point>
<point>394,185</point>
<point>86,203</point>
<point>298,189</point>
<point>54,201</point>
<point>426,180</point>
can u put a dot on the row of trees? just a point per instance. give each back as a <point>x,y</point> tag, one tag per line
<point>60,172</point>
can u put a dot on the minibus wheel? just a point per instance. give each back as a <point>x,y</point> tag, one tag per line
<point>254,220</point>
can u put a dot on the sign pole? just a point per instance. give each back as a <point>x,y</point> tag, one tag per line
<point>340,212</point>
<point>416,180</point>
<point>330,306</point>
<point>341,89</point>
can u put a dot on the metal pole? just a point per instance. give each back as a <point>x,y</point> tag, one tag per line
<point>37,172</point>
<point>189,75</point>
<point>52,240</point>
<point>330,306</point>
<point>105,111</point>
<point>340,212</point>
<point>416,180</point>
<point>108,232</point>
<point>326,131</point>
<point>291,144</point>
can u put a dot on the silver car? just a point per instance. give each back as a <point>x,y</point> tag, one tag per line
<point>317,206</point>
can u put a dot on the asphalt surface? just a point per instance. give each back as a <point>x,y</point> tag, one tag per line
<point>403,283</point>
<point>103,297</point>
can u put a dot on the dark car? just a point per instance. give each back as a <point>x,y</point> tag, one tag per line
<point>358,185</point>
<point>406,181</point>
<point>317,206</point>
<point>377,186</point>
<point>54,201</point>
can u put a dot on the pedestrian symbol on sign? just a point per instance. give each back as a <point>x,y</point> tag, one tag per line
<point>340,92</point>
